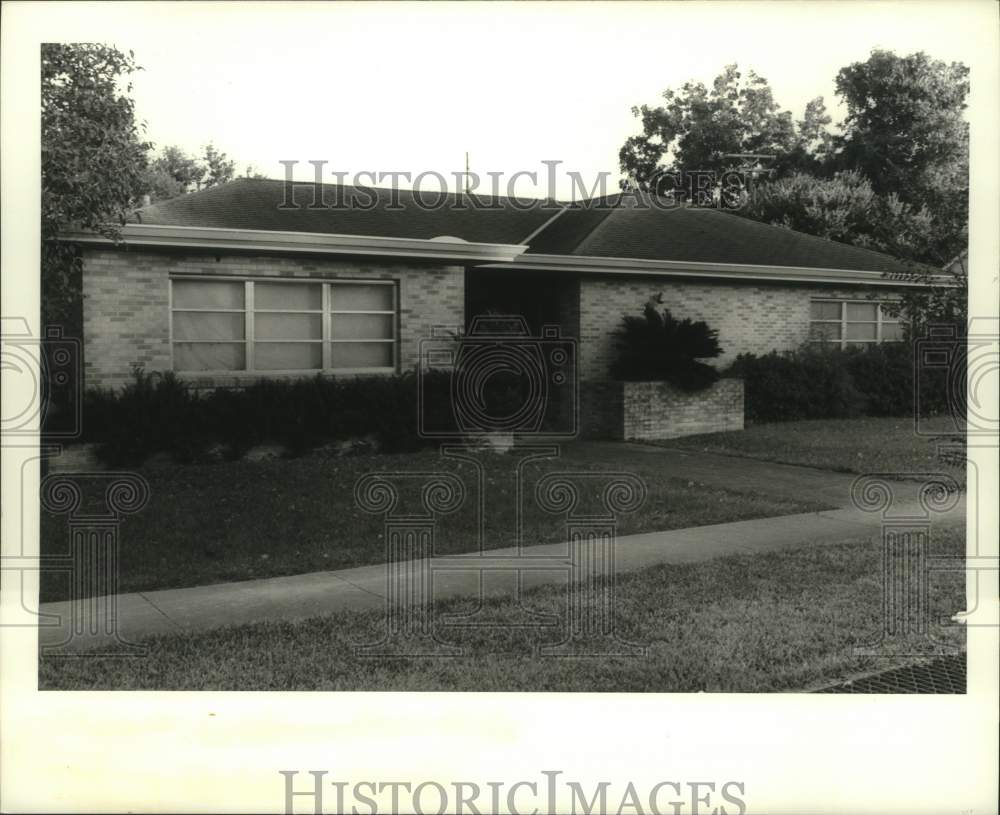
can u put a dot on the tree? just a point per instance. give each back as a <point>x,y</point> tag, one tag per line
<point>700,130</point>
<point>843,208</point>
<point>657,346</point>
<point>218,169</point>
<point>896,180</point>
<point>846,208</point>
<point>941,301</point>
<point>906,132</point>
<point>904,128</point>
<point>93,159</point>
<point>159,185</point>
<point>174,172</point>
<point>180,166</point>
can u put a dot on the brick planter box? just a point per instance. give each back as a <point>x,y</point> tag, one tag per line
<point>658,410</point>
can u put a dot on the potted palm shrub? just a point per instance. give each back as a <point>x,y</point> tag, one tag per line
<point>659,347</point>
<point>664,388</point>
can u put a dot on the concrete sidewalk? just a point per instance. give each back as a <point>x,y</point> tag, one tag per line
<point>496,572</point>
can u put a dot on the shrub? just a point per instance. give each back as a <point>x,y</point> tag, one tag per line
<point>887,375</point>
<point>821,382</point>
<point>153,412</point>
<point>810,383</point>
<point>159,413</point>
<point>884,374</point>
<point>659,347</point>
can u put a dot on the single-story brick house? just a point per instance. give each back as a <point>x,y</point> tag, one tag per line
<point>256,279</point>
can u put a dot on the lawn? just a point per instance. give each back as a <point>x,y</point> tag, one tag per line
<point>242,520</point>
<point>779,621</point>
<point>866,445</point>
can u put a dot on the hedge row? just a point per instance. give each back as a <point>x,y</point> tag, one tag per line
<point>822,382</point>
<point>159,414</point>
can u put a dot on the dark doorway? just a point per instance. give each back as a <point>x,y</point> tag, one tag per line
<point>541,299</point>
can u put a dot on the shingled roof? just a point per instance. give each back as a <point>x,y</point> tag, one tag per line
<point>257,204</point>
<point>615,227</point>
<point>628,229</point>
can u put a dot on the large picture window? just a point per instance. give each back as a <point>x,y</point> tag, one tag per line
<point>852,322</point>
<point>260,326</point>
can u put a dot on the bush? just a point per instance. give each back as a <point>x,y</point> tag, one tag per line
<point>884,374</point>
<point>159,413</point>
<point>152,413</point>
<point>821,382</point>
<point>658,347</point>
<point>805,384</point>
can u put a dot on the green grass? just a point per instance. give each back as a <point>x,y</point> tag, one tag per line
<point>778,621</point>
<point>244,520</point>
<point>868,445</point>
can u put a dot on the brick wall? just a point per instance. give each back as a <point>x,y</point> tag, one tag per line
<point>749,318</point>
<point>657,410</point>
<point>126,303</point>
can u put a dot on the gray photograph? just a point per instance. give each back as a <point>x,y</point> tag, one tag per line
<point>536,348</point>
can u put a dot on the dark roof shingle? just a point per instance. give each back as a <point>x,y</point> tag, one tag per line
<point>616,226</point>
<point>702,234</point>
<point>256,204</point>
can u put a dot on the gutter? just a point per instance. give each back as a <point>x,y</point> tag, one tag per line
<point>213,239</point>
<point>485,255</point>
<point>702,269</point>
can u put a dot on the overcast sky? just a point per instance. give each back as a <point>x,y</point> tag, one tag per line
<point>394,87</point>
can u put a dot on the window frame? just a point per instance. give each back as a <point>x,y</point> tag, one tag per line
<point>327,319</point>
<point>843,341</point>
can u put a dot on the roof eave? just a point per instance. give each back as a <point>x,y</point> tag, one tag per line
<point>214,239</point>
<point>735,271</point>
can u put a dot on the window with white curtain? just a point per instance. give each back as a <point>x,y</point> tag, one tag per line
<point>852,322</point>
<point>259,326</point>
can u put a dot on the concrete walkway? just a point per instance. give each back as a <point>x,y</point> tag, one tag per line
<point>143,614</point>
